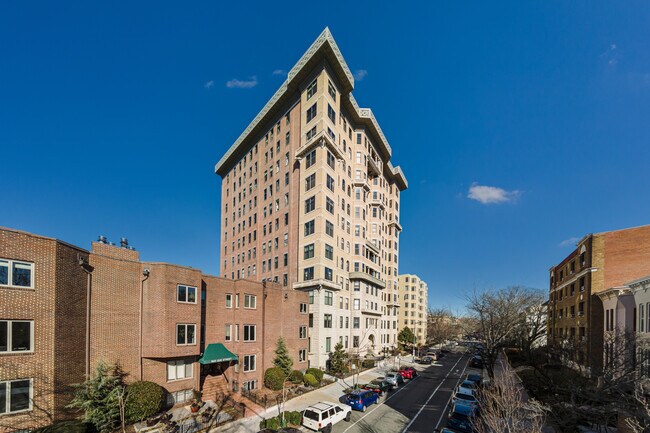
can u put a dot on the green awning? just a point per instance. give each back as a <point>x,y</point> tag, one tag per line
<point>217,352</point>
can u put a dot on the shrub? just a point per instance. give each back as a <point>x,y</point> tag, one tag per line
<point>318,374</point>
<point>143,399</point>
<point>271,423</point>
<point>357,386</point>
<point>274,378</point>
<point>310,380</point>
<point>74,426</point>
<point>294,417</point>
<point>368,363</point>
<point>296,376</point>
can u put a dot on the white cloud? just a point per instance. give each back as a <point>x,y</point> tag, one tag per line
<point>209,84</point>
<point>490,194</point>
<point>279,72</point>
<point>569,242</point>
<point>360,74</point>
<point>242,84</point>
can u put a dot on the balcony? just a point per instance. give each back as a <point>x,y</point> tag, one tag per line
<point>371,312</point>
<point>373,167</point>
<point>368,278</point>
<point>320,139</point>
<point>395,223</point>
<point>372,247</point>
<point>319,283</point>
<point>377,202</point>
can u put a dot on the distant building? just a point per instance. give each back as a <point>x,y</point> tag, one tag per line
<point>310,199</point>
<point>600,262</point>
<point>64,309</point>
<point>413,312</point>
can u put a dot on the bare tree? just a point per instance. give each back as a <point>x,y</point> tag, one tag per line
<point>500,316</point>
<point>638,419</point>
<point>442,326</point>
<point>504,408</point>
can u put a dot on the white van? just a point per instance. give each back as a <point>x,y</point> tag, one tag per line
<point>323,415</point>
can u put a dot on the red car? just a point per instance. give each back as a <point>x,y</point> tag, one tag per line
<point>407,372</point>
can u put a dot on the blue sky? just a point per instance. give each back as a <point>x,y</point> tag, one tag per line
<point>519,125</point>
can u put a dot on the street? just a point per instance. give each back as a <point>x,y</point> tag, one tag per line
<point>418,406</point>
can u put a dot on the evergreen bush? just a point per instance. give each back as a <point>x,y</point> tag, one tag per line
<point>274,378</point>
<point>144,399</point>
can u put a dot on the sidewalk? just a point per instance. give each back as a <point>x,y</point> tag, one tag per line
<point>331,393</point>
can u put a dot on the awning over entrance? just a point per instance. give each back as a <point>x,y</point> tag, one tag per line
<point>217,352</point>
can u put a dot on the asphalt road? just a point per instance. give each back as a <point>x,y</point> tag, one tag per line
<point>418,406</point>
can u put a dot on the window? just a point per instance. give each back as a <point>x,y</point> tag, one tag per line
<point>311,133</point>
<point>249,363</point>
<point>329,205</point>
<point>16,336</point>
<point>356,323</point>
<point>185,334</point>
<point>16,396</point>
<point>329,297</point>
<point>250,301</point>
<point>228,300</point>
<point>310,204</point>
<point>330,159</point>
<point>303,308</point>
<point>179,369</point>
<point>331,89</point>
<point>249,385</point>
<point>249,332</point>
<point>311,113</point>
<point>355,341</point>
<point>309,251</point>
<point>328,274</point>
<point>328,344</point>
<point>186,294</point>
<point>641,318</point>
<point>356,304</point>
<point>228,332</point>
<point>330,182</point>
<point>311,320</point>
<point>311,89</point>
<point>302,333</point>
<point>327,320</point>
<point>308,274</point>
<point>310,181</point>
<point>310,158</point>
<point>329,228</point>
<point>16,274</point>
<point>329,252</point>
<point>309,228</point>
<point>331,113</point>
<point>302,355</point>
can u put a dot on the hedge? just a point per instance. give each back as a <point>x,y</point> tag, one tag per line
<point>143,399</point>
<point>271,423</point>
<point>368,363</point>
<point>317,373</point>
<point>274,378</point>
<point>296,376</point>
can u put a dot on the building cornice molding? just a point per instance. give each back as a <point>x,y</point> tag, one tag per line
<point>574,278</point>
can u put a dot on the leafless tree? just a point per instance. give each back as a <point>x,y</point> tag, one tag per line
<point>442,326</point>
<point>500,315</point>
<point>638,419</point>
<point>504,408</point>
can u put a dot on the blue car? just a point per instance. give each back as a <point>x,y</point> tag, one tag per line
<point>360,399</point>
<point>460,417</point>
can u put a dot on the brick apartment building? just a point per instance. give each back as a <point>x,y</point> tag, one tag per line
<point>599,263</point>
<point>63,309</point>
<point>413,312</point>
<point>310,199</point>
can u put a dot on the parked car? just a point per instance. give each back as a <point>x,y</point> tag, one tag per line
<point>476,362</point>
<point>408,372</point>
<point>323,415</point>
<point>463,390</point>
<point>394,379</point>
<point>476,378</point>
<point>427,360</point>
<point>468,399</point>
<point>360,399</point>
<point>469,384</point>
<point>433,354</point>
<point>379,386</point>
<point>460,417</point>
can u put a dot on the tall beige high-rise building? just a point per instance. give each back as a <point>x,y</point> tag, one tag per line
<point>311,199</point>
<point>413,296</point>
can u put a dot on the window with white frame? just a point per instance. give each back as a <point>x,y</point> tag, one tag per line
<point>249,332</point>
<point>228,300</point>
<point>249,385</point>
<point>302,355</point>
<point>16,274</point>
<point>303,332</point>
<point>185,294</point>
<point>16,396</point>
<point>185,334</point>
<point>249,363</point>
<point>16,336</point>
<point>179,369</point>
<point>250,301</point>
<point>303,308</point>
<point>228,332</point>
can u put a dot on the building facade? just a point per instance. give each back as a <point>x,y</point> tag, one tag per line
<point>311,200</point>
<point>64,309</point>
<point>600,262</point>
<point>413,296</point>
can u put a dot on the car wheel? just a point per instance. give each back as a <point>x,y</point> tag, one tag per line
<point>363,408</point>
<point>328,429</point>
<point>347,417</point>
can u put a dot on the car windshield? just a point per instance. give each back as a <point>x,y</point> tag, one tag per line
<point>459,416</point>
<point>465,397</point>
<point>311,415</point>
<point>468,384</point>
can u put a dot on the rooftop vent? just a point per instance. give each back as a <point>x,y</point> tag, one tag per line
<point>102,240</point>
<point>124,242</point>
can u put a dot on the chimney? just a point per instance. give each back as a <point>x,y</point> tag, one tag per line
<point>102,239</point>
<point>124,242</point>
